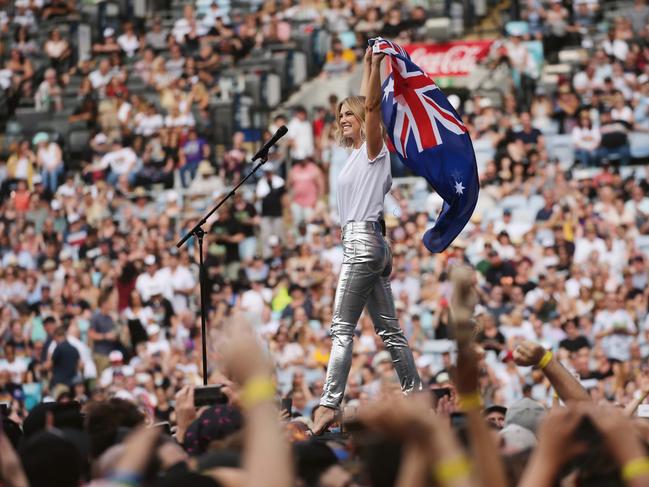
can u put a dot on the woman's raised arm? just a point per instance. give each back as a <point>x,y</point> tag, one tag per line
<point>373,130</point>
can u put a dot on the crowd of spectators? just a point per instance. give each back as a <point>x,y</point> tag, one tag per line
<point>97,306</point>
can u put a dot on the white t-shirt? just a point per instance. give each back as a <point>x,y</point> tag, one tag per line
<point>252,302</point>
<point>17,369</point>
<point>585,138</point>
<point>159,346</point>
<point>584,247</point>
<point>129,44</point>
<point>121,161</point>
<point>99,80</point>
<point>362,186</point>
<point>148,125</point>
<point>180,279</point>
<point>50,156</point>
<point>123,112</point>
<point>615,346</point>
<point>182,120</point>
<point>301,133</point>
<point>145,284</point>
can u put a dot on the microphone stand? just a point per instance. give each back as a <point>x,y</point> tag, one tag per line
<point>199,233</point>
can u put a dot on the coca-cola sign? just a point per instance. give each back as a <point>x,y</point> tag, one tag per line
<point>450,59</point>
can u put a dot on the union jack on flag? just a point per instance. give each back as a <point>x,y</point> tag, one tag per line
<point>430,139</point>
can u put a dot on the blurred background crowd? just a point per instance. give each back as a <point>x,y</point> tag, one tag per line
<point>119,134</point>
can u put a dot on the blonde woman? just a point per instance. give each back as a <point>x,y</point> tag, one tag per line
<point>365,273</point>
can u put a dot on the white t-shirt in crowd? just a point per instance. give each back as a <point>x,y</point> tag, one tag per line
<point>50,156</point>
<point>584,247</point>
<point>146,283</point>
<point>121,161</point>
<point>180,279</point>
<point>99,80</point>
<point>615,346</point>
<point>182,120</point>
<point>301,133</point>
<point>17,368</point>
<point>129,44</point>
<point>148,125</point>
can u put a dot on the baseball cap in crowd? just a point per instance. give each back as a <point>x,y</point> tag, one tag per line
<point>153,329</point>
<point>273,240</point>
<point>381,357</point>
<point>109,32</point>
<point>494,408</point>
<point>40,137</point>
<point>100,139</point>
<point>149,259</point>
<point>526,413</point>
<point>37,179</point>
<point>442,378</point>
<point>115,356</point>
<point>517,438</point>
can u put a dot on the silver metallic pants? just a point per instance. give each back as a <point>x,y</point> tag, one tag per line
<point>365,279</point>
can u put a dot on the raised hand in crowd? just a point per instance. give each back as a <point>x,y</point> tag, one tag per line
<point>565,384</point>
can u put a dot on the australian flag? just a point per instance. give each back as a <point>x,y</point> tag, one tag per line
<point>431,140</point>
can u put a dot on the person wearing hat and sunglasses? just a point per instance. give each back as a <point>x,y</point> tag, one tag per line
<point>206,182</point>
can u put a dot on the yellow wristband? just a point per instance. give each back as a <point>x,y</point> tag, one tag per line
<point>452,470</point>
<point>545,360</point>
<point>469,402</point>
<point>257,390</point>
<point>638,467</point>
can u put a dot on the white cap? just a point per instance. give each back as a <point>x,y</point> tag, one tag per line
<point>517,438</point>
<point>383,356</point>
<point>149,259</point>
<point>115,356</point>
<point>56,205</point>
<point>100,138</point>
<point>125,395</point>
<point>109,32</point>
<point>273,240</point>
<point>73,218</point>
<point>152,329</point>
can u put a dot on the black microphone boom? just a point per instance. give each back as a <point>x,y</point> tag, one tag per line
<point>199,233</point>
<point>281,132</point>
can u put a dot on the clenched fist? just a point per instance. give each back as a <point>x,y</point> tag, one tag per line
<point>528,353</point>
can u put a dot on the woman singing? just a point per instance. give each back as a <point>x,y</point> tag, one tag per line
<point>365,274</point>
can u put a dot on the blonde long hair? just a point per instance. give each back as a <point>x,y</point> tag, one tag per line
<point>356,105</point>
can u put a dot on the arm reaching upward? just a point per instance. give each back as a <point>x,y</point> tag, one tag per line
<point>373,122</point>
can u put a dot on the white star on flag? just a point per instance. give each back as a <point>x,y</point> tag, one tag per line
<point>389,88</point>
<point>459,188</point>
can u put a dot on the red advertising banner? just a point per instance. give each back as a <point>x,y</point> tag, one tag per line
<point>450,59</point>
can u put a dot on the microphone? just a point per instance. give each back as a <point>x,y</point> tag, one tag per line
<point>263,152</point>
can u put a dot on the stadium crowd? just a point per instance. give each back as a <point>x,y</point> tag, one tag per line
<point>98,307</point>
